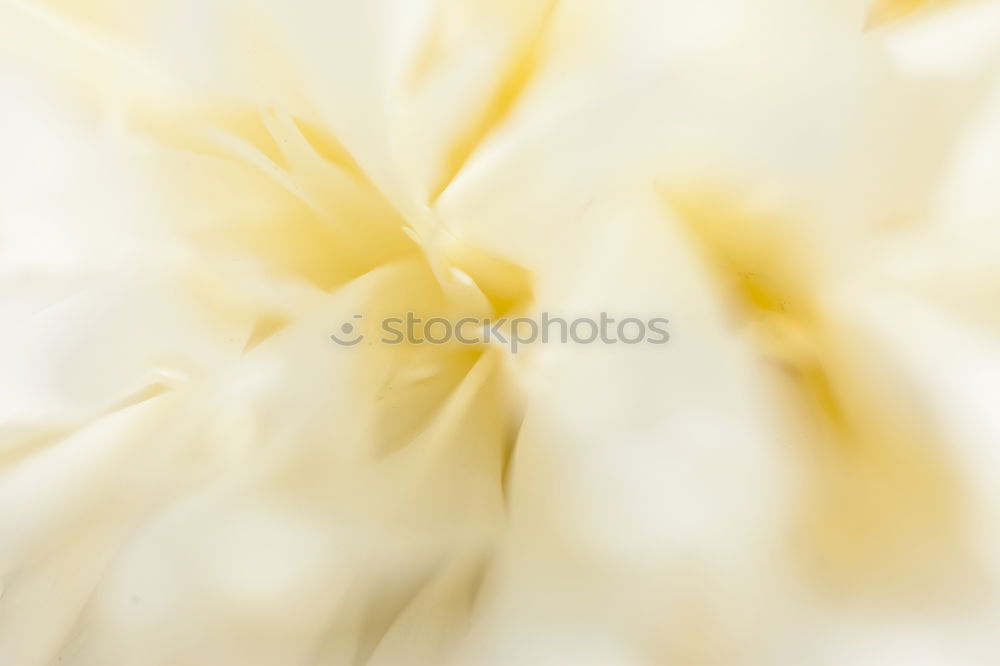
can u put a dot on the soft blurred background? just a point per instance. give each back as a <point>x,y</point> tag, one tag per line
<point>195,194</point>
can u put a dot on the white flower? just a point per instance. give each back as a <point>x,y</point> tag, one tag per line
<point>194,194</point>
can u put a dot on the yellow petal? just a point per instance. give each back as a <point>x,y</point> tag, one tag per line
<point>886,11</point>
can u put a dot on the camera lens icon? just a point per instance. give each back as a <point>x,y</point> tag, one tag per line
<point>348,335</point>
